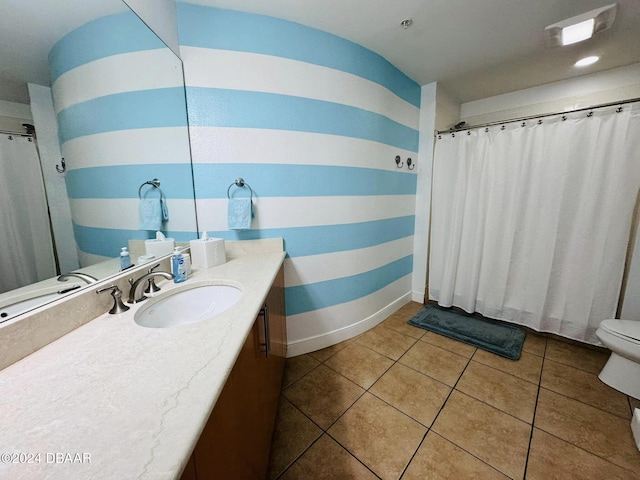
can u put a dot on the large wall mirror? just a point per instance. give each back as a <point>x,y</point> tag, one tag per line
<point>108,104</point>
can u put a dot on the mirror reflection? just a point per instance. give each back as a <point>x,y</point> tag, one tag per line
<point>112,105</point>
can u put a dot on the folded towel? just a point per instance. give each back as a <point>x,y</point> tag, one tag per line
<point>240,213</point>
<point>151,214</point>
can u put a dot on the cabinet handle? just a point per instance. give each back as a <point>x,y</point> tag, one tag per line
<point>266,346</point>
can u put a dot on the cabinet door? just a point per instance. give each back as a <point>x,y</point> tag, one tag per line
<point>236,441</point>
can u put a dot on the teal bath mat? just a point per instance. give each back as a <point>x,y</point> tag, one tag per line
<point>492,336</point>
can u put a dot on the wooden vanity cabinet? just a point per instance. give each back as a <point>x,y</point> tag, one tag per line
<point>236,440</point>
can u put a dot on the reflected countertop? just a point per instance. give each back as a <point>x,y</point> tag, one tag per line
<point>113,399</point>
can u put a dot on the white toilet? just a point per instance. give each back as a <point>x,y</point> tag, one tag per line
<point>622,370</point>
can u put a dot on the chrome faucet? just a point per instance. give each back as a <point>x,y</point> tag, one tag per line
<point>83,276</point>
<point>133,293</point>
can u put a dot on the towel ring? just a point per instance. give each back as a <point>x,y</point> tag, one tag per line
<point>155,183</point>
<point>239,182</point>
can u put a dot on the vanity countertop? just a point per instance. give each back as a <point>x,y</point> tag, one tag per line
<point>112,399</point>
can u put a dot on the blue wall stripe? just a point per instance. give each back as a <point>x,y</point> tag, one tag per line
<point>106,36</point>
<point>210,27</point>
<point>123,181</point>
<point>299,241</point>
<point>316,240</point>
<point>290,180</point>
<point>107,241</point>
<point>215,107</point>
<point>162,107</point>
<point>314,296</point>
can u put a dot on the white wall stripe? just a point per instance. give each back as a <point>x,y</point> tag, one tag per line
<point>146,70</point>
<point>122,213</point>
<point>321,328</point>
<point>125,147</point>
<point>90,258</point>
<point>259,145</point>
<point>286,212</point>
<point>319,268</point>
<point>266,73</point>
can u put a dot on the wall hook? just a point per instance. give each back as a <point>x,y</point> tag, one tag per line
<point>64,166</point>
<point>410,164</point>
<point>398,160</point>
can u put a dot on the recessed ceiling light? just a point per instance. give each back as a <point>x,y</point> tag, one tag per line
<point>580,27</point>
<point>578,32</point>
<point>583,62</point>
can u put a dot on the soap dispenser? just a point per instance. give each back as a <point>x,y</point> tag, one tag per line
<point>178,266</point>
<point>125,258</point>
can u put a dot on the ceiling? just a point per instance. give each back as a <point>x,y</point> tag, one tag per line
<point>472,48</point>
<point>28,30</point>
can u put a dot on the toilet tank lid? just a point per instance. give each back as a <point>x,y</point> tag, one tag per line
<point>628,328</point>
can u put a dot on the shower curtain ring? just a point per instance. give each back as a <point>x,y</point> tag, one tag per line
<point>64,166</point>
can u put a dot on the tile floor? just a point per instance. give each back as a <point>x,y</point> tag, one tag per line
<point>401,402</point>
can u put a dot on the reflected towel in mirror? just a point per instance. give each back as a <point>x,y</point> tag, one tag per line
<point>151,214</point>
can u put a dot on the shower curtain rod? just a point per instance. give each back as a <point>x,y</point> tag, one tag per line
<point>532,117</point>
<point>20,134</point>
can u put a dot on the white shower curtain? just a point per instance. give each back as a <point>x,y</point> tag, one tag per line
<point>530,224</point>
<point>26,248</point>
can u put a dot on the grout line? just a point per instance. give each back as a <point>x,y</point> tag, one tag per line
<point>584,403</point>
<point>587,451</point>
<point>533,420</point>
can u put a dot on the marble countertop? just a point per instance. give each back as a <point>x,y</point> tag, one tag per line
<point>113,399</point>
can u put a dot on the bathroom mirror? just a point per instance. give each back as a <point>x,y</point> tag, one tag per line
<point>104,165</point>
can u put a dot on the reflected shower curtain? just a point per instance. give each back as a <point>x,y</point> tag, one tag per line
<point>530,224</point>
<point>26,248</point>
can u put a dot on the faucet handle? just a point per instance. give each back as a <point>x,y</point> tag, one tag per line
<point>116,293</point>
<point>151,283</point>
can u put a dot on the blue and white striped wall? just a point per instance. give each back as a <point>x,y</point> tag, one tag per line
<point>119,100</point>
<point>313,123</point>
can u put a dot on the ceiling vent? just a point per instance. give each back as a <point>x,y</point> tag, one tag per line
<point>581,27</point>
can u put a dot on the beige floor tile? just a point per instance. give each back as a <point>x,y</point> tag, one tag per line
<point>439,459</point>
<point>443,365</point>
<point>450,344</point>
<point>603,434</point>
<point>585,387</point>
<point>379,436</point>
<point>323,395</point>
<point>359,364</point>
<point>325,353</point>
<point>385,341</point>
<point>411,308</point>
<point>510,394</point>
<point>528,367</point>
<point>576,356</point>
<point>297,367</point>
<point>398,322</point>
<point>535,344</point>
<point>491,435</point>
<point>551,458</point>
<point>293,434</point>
<point>327,460</point>
<point>412,393</point>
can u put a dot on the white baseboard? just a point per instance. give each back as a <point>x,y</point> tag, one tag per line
<point>417,297</point>
<point>319,342</point>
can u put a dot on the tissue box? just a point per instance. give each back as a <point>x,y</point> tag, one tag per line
<point>159,248</point>
<point>207,253</point>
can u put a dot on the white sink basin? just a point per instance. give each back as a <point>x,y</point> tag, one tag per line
<point>192,305</point>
